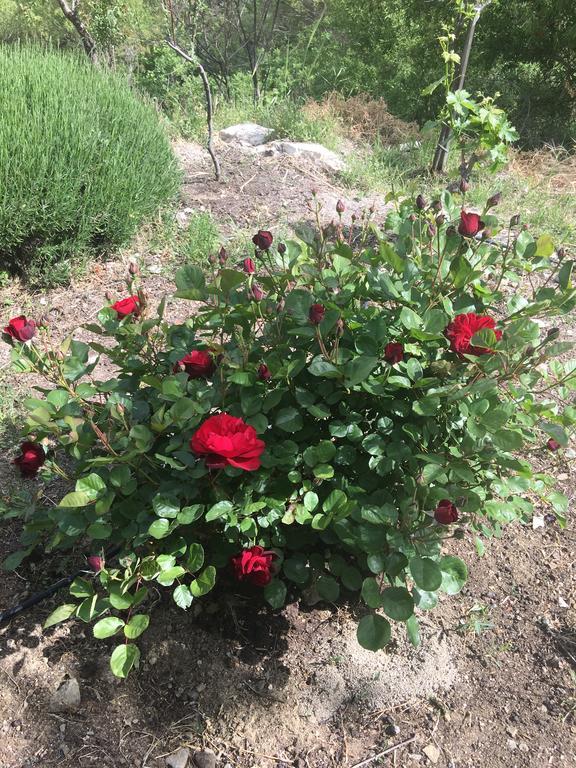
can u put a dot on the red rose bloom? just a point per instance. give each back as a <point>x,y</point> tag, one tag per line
<point>253,565</point>
<point>553,445</point>
<point>198,364</point>
<point>249,266</point>
<point>96,563</point>
<point>470,224</point>
<point>461,330</point>
<point>128,306</point>
<point>263,239</point>
<point>21,328</point>
<point>224,440</point>
<point>394,352</point>
<point>446,512</point>
<point>31,459</point>
<point>316,313</point>
<point>264,373</point>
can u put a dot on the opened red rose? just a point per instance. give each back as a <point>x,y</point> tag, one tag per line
<point>198,364</point>
<point>264,373</point>
<point>253,565</point>
<point>263,239</point>
<point>126,307</point>
<point>470,224</point>
<point>446,512</point>
<point>31,458</point>
<point>394,352</point>
<point>316,313</point>
<point>225,440</point>
<point>461,330</point>
<point>21,328</point>
<point>249,266</point>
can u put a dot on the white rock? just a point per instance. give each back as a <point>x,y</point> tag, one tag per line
<point>178,759</point>
<point>250,134</point>
<point>66,697</point>
<point>432,753</point>
<point>307,150</point>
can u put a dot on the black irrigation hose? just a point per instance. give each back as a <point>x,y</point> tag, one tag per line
<point>39,596</point>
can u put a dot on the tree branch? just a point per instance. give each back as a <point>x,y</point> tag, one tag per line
<point>71,13</point>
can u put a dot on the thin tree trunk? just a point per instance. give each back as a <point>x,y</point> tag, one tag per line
<point>201,72</point>
<point>71,13</point>
<point>440,159</point>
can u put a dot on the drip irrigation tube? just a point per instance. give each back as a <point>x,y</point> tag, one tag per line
<point>39,596</point>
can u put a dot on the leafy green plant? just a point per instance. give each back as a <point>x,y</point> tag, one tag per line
<point>83,162</point>
<point>327,417</point>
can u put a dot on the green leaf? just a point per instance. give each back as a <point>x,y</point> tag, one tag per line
<point>81,588</point>
<point>413,630</point>
<point>195,559</point>
<point>220,509</point>
<point>310,501</point>
<point>123,659</point>
<point>91,486</point>
<point>168,577</point>
<point>275,593</point>
<point>230,279</point>
<point>99,530</point>
<point>61,613</point>
<point>426,573</point>
<point>335,502</point>
<point>507,440</point>
<point>565,275</point>
<point>107,627</point>
<point>321,367</point>
<point>296,570</point>
<point>544,246</point>
<point>182,596</point>
<point>204,583</point>
<point>410,319</point>
<point>389,255</point>
<point>351,578</point>
<point>190,277</point>
<point>118,599</point>
<point>75,499</point>
<point>454,574</point>
<point>371,593</point>
<point>398,603</point>
<point>159,528</point>
<point>190,514</point>
<point>137,624</point>
<point>289,420</point>
<point>165,505</point>
<point>328,588</point>
<point>373,632</point>
<point>323,471</point>
<point>425,600</point>
<point>358,370</point>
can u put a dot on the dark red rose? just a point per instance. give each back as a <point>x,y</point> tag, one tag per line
<point>32,457</point>
<point>340,207</point>
<point>198,364</point>
<point>316,313</point>
<point>249,266</point>
<point>281,248</point>
<point>553,445</point>
<point>446,512</point>
<point>263,239</point>
<point>461,330</point>
<point>253,565</point>
<point>224,440</point>
<point>494,200</point>
<point>21,328</point>
<point>421,202</point>
<point>394,352</point>
<point>256,293</point>
<point>96,563</point>
<point>126,307</point>
<point>470,224</point>
<point>264,373</point>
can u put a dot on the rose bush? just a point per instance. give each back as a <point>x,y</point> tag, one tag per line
<point>327,432</point>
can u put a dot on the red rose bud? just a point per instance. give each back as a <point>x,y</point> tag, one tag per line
<point>412,217</point>
<point>470,224</point>
<point>461,330</point>
<point>340,207</point>
<point>494,200</point>
<point>20,328</point>
<point>515,220</point>
<point>31,458</point>
<point>353,217</point>
<point>340,327</point>
<point>126,307</point>
<point>263,239</point>
<point>96,563</point>
<point>213,259</point>
<point>440,219</point>
<point>394,352</point>
<point>281,248</point>
<point>436,205</point>
<point>198,364</point>
<point>225,440</point>
<point>553,445</point>
<point>264,373</point>
<point>420,202</point>
<point>446,512</point>
<point>464,186</point>
<point>316,313</point>
<point>256,293</point>
<point>249,266</point>
<point>133,268</point>
<point>253,565</point>
<point>431,230</point>
<point>222,255</point>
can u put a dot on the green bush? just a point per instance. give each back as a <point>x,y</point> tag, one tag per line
<point>82,162</point>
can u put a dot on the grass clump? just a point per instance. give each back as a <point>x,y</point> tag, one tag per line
<point>83,162</point>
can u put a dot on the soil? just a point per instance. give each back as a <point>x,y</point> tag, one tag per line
<point>493,684</point>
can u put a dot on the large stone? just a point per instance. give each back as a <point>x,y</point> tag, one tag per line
<point>178,759</point>
<point>67,697</point>
<point>317,153</point>
<point>250,134</point>
<point>205,758</point>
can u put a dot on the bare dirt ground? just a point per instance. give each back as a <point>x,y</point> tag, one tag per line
<point>493,686</point>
